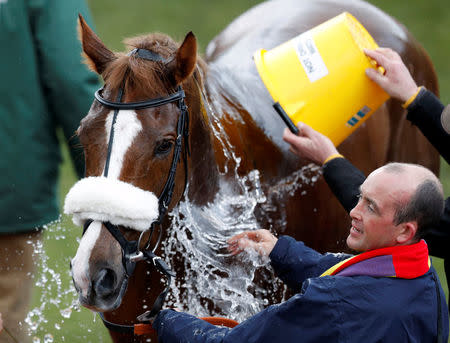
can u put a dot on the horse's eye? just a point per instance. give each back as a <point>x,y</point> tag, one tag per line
<point>164,147</point>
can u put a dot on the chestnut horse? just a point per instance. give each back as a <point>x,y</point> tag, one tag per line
<point>163,156</point>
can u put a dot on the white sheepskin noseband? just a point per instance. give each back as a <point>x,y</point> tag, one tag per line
<point>105,199</point>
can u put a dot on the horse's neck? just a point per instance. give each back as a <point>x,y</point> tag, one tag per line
<point>246,130</point>
<point>203,172</point>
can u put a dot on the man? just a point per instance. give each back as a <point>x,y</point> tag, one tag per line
<point>423,109</point>
<point>44,88</point>
<point>388,293</point>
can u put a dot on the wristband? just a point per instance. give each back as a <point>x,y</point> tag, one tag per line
<point>332,157</point>
<point>411,99</point>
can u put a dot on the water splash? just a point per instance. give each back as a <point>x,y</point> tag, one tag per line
<point>213,282</point>
<point>56,314</point>
<point>201,235</point>
<point>48,282</point>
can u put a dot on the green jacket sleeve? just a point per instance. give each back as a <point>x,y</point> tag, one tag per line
<point>69,83</point>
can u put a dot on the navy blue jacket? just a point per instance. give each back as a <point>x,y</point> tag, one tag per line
<point>327,309</point>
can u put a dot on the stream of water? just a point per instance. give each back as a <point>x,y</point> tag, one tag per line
<point>211,275</point>
<point>55,314</point>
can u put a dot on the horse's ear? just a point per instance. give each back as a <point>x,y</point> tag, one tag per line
<point>97,55</point>
<point>185,59</point>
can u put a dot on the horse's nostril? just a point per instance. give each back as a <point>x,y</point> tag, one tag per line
<point>104,283</point>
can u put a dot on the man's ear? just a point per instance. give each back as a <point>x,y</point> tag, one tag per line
<point>407,232</point>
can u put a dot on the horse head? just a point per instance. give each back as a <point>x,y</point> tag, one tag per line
<point>134,149</point>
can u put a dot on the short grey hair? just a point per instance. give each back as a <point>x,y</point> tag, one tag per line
<point>426,204</point>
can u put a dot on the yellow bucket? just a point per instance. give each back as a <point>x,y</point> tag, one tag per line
<point>319,78</point>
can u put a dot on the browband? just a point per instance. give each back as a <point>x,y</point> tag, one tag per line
<point>138,105</point>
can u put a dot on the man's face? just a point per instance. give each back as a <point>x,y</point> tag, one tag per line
<point>372,218</point>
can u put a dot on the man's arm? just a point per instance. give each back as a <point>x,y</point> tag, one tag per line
<point>343,178</point>
<point>424,108</point>
<point>69,85</point>
<point>304,313</point>
<point>430,116</point>
<point>292,261</point>
<point>438,238</point>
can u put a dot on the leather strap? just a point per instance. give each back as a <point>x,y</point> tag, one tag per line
<point>139,105</point>
<point>140,329</point>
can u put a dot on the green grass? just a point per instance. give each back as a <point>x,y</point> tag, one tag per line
<point>116,19</point>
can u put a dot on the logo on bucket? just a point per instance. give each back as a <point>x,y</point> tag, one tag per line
<point>357,117</point>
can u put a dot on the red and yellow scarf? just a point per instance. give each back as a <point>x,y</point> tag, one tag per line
<point>402,261</point>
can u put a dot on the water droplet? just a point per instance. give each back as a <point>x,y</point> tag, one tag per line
<point>48,338</point>
<point>66,312</point>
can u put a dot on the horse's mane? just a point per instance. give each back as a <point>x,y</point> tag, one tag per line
<point>152,76</point>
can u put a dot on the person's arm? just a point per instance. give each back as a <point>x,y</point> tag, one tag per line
<point>424,109</point>
<point>69,85</point>
<point>292,261</point>
<point>343,178</point>
<point>433,119</point>
<point>304,313</point>
<point>438,238</point>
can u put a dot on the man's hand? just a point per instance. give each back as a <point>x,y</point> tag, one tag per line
<point>260,240</point>
<point>1,323</point>
<point>397,81</point>
<point>310,144</point>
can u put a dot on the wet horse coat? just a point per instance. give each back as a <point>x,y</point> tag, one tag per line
<point>233,131</point>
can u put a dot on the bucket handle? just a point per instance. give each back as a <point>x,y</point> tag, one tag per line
<point>285,118</point>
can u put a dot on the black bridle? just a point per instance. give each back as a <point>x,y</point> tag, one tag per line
<point>131,252</point>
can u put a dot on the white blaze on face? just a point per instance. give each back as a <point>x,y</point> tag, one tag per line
<point>126,129</point>
<point>80,263</point>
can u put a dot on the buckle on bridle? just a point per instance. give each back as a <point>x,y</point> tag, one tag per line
<point>139,256</point>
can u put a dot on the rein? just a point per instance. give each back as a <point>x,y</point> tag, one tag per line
<point>131,252</point>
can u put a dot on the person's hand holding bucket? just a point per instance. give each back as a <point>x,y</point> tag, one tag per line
<point>396,81</point>
<point>310,144</point>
